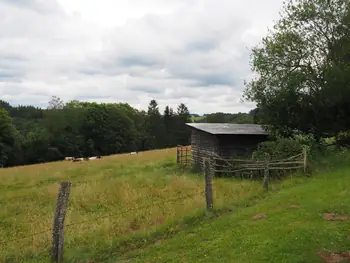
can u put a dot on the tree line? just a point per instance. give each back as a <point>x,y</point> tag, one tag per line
<point>31,135</point>
<point>223,117</point>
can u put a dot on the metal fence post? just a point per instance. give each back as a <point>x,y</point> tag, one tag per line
<point>208,184</point>
<point>58,221</point>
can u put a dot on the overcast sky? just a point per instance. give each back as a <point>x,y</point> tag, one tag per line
<point>190,51</point>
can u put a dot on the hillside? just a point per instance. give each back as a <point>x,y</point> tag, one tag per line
<point>142,208</point>
<point>116,201</point>
<point>298,227</point>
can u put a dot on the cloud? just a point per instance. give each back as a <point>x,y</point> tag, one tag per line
<point>43,7</point>
<point>191,51</point>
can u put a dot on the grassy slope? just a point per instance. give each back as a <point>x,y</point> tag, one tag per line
<point>111,185</point>
<point>286,235</point>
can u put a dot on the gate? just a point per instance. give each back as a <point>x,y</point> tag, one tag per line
<point>184,155</point>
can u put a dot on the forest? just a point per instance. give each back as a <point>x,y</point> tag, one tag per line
<point>31,135</point>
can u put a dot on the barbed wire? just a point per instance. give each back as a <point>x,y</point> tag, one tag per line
<point>28,204</point>
<point>130,210</point>
<point>102,217</point>
<point>24,237</point>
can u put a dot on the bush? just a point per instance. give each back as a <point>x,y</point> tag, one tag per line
<point>278,149</point>
<point>343,139</point>
<point>286,147</point>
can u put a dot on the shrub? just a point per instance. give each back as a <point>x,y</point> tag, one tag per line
<point>343,139</point>
<point>278,149</point>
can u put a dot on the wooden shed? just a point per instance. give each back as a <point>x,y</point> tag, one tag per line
<point>225,140</point>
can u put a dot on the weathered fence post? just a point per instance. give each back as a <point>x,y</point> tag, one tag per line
<point>305,159</point>
<point>177,155</point>
<point>266,171</point>
<point>208,184</point>
<point>58,221</point>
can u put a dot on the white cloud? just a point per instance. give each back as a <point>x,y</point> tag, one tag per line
<point>191,51</point>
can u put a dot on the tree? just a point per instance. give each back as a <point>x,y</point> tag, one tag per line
<point>302,66</point>
<point>107,130</point>
<point>168,123</point>
<point>55,103</point>
<point>155,126</point>
<point>153,109</point>
<point>7,137</point>
<point>182,132</point>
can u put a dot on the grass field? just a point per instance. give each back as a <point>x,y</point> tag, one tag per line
<point>141,198</point>
<point>298,226</point>
<point>149,210</point>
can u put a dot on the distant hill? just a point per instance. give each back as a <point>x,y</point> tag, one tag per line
<point>221,117</point>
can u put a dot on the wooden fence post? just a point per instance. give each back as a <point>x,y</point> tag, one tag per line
<point>305,159</point>
<point>58,221</point>
<point>177,155</point>
<point>208,185</point>
<point>266,171</point>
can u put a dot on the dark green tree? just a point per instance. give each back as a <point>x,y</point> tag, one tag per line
<point>109,128</point>
<point>302,66</point>
<point>169,126</point>
<point>8,135</point>
<point>155,126</point>
<point>182,132</point>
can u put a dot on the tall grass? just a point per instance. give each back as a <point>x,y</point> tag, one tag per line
<point>111,199</point>
<point>294,229</point>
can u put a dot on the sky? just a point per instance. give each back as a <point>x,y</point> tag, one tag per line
<point>175,51</point>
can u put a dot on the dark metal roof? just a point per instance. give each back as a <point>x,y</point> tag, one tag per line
<point>229,128</point>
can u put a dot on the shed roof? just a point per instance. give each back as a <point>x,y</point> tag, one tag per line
<point>229,128</point>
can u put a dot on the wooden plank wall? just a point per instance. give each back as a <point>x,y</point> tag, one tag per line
<point>226,146</point>
<point>202,145</point>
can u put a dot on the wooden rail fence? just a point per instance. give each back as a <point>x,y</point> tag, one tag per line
<point>238,166</point>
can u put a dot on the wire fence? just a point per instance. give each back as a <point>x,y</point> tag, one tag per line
<point>62,206</point>
<point>132,210</point>
<point>57,230</point>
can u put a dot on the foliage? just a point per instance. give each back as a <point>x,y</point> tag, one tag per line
<point>278,149</point>
<point>220,117</point>
<point>303,71</point>
<point>86,129</point>
<point>343,139</point>
<point>8,135</point>
<point>55,103</point>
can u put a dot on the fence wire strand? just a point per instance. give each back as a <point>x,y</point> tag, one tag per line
<point>28,236</point>
<point>131,210</point>
<point>103,217</point>
<point>27,205</point>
